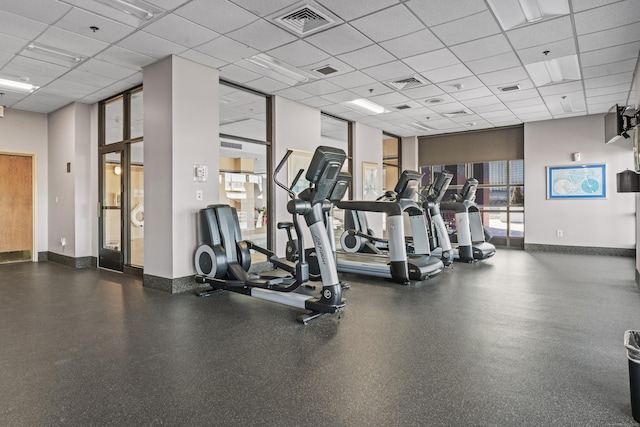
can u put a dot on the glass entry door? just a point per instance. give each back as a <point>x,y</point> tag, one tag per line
<point>111,255</point>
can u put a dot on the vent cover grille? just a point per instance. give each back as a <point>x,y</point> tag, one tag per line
<point>326,70</point>
<point>233,145</point>
<point>509,88</point>
<point>406,83</point>
<point>457,113</point>
<point>402,107</point>
<point>305,20</point>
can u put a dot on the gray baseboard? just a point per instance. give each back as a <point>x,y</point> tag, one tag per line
<point>637,278</point>
<point>43,256</point>
<point>80,262</point>
<point>580,250</point>
<point>173,286</point>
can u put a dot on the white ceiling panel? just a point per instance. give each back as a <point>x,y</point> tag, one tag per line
<point>613,98</point>
<point>371,89</point>
<point>66,40</point>
<point>299,53</point>
<point>37,72</point>
<point>473,27</point>
<point>388,24</point>
<point>541,33</point>
<point>79,21</point>
<point>66,87</point>
<point>45,11</point>
<point>608,90</point>
<point>507,114</point>
<point>431,60</point>
<point>556,50</point>
<point>203,59</point>
<point>423,92</point>
<point>220,16</point>
<point>226,49</point>
<point>192,35</point>
<point>606,17</point>
<point>461,84</point>
<point>447,73</point>
<point>560,88</point>
<point>367,57</point>
<point>335,63</point>
<point>341,39</point>
<point>262,35</point>
<point>615,79</point>
<point>492,108</point>
<point>12,45</point>
<point>352,80</point>
<point>609,68</point>
<point>466,95</point>
<point>494,63</point>
<point>505,77</point>
<point>5,58</point>
<point>150,45</point>
<point>340,97</point>
<point>482,101</point>
<point>264,8</point>
<point>412,44</point>
<point>608,38</point>
<point>320,87</point>
<point>90,79</point>
<point>435,12</point>
<point>389,99</point>
<point>20,27</point>
<point>518,95</point>
<point>125,57</point>
<point>266,85</point>
<point>513,105</point>
<point>316,102</point>
<point>483,48</point>
<point>611,54</point>
<point>349,10</point>
<point>388,71</point>
<point>581,5</point>
<point>105,69</point>
<point>293,93</point>
<point>238,74</point>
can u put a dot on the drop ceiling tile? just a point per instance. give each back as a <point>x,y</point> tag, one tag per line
<point>530,102</point>
<point>203,59</point>
<point>504,77</point>
<point>608,38</point>
<point>579,6</point>
<point>226,49</point>
<point>342,67</point>
<point>352,115</point>
<point>39,73</point>
<point>71,88</point>
<point>435,12</point>
<point>484,109</point>
<point>316,102</point>
<point>606,17</point>
<point>18,26</point>
<point>105,69</point>
<point>608,68</point>
<point>266,85</point>
<point>392,115</point>
<point>506,121</point>
<point>293,94</point>
<point>388,24</point>
<point>167,4</point>
<point>541,33</point>
<point>428,91</point>
<point>336,109</point>
<point>319,87</point>
<point>389,99</point>
<point>72,42</point>
<point>534,110</point>
<point>447,73</point>
<point>12,45</point>
<point>150,45</point>
<point>45,11</point>
<point>613,80</point>
<point>367,57</point>
<point>560,88</point>
<point>90,79</point>
<point>493,63</point>
<point>466,95</point>
<point>371,89</point>
<point>612,98</point>
<point>341,96</point>
<point>607,90</point>
<point>412,44</point>
<point>388,71</point>
<point>611,54</point>
<point>518,95</point>
<point>220,16</point>
<point>352,80</point>
<point>506,114</point>
<point>431,60</point>
<point>465,119</point>
<point>5,58</point>
<point>482,48</point>
<point>467,83</point>
<point>262,35</point>
<point>299,53</point>
<point>556,50</point>
<point>474,27</point>
<point>125,57</point>
<point>483,101</point>
<point>349,10</point>
<point>598,108</point>
<point>264,8</point>
<point>190,34</point>
<point>341,39</point>
<point>447,108</point>
<point>238,74</point>
<point>78,21</point>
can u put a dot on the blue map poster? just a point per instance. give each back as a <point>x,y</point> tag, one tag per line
<point>577,182</point>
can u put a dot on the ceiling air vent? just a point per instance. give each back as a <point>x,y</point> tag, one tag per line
<point>233,145</point>
<point>509,88</point>
<point>305,20</point>
<point>457,113</point>
<point>326,70</point>
<point>406,83</point>
<point>402,107</point>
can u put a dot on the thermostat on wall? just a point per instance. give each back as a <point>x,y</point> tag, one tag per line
<point>200,173</point>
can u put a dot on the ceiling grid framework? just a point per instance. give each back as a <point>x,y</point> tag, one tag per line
<point>456,55</point>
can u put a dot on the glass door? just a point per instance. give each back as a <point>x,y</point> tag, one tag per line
<point>111,184</point>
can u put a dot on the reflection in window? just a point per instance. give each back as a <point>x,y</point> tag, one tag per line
<point>113,121</point>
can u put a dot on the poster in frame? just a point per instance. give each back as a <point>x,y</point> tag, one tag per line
<point>577,182</point>
<point>369,181</point>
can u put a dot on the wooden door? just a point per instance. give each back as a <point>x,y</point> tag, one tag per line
<point>16,204</point>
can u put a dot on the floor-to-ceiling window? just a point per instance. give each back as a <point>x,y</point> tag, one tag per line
<point>244,152</point>
<point>391,161</point>
<point>121,166</point>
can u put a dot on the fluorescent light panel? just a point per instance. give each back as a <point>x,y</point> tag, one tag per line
<point>138,8</point>
<point>515,13</point>
<point>554,71</point>
<point>14,86</point>
<point>54,52</point>
<point>271,67</point>
<point>365,106</point>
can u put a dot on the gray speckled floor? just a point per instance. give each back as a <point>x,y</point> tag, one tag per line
<point>521,339</point>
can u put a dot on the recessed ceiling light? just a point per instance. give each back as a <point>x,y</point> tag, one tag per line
<point>138,8</point>
<point>13,86</point>
<point>555,70</point>
<point>366,106</point>
<point>54,52</point>
<point>276,69</point>
<point>512,14</point>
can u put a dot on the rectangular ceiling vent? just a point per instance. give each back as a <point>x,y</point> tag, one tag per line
<point>326,70</point>
<point>233,145</point>
<point>509,88</point>
<point>402,107</point>
<point>305,20</point>
<point>406,83</point>
<point>457,113</point>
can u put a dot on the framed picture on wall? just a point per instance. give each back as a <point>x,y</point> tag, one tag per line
<point>370,190</point>
<point>636,148</point>
<point>577,182</point>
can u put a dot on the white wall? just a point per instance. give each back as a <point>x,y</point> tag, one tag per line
<point>26,133</point>
<point>606,223</point>
<point>409,153</point>
<point>367,147</point>
<point>83,164</point>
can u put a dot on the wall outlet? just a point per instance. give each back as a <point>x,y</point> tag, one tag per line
<point>559,233</point>
<point>199,195</point>
<point>63,241</point>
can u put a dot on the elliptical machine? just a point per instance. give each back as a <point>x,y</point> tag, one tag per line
<point>223,260</point>
<point>438,234</point>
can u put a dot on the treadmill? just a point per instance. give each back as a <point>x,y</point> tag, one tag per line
<point>395,265</point>
<point>470,233</point>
